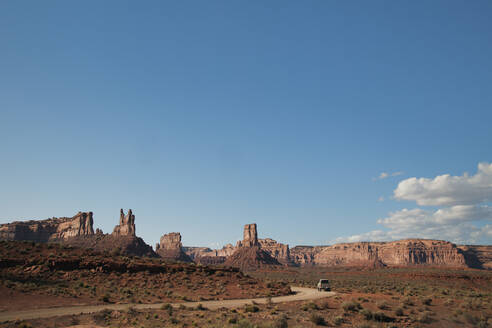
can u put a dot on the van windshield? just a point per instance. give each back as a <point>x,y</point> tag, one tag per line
<point>323,281</point>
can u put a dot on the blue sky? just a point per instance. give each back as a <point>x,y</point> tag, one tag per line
<point>203,116</point>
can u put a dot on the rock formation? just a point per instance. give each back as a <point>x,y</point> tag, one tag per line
<point>369,254</point>
<point>276,250</point>
<point>276,253</point>
<point>304,255</point>
<point>170,248</point>
<point>196,253</point>
<point>477,256</point>
<point>78,231</point>
<point>126,226</point>
<point>53,229</point>
<point>250,235</point>
<point>248,254</point>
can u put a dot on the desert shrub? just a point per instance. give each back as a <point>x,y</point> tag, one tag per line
<point>449,302</point>
<point>427,301</point>
<point>381,317</point>
<point>200,307</point>
<point>174,321</point>
<point>24,325</point>
<point>105,298</point>
<point>101,316</point>
<point>309,306</point>
<point>281,322</point>
<point>338,320</point>
<point>482,324</point>
<point>407,301</point>
<point>383,305</point>
<point>251,308</point>
<point>166,306</point>
<point>132,311</point>
<point>368,315</point>
<point>424,317</point>
<point>317,319</point>
<point>471,319</point>
<point>233,320</point>
<point>399,312</point>
<point>245,324</point>
<point>351,306</point>
<point>364,325</point>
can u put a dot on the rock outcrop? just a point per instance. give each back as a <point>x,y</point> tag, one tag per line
<point>248,254</point>
<point>126,227</point>
<point>267,252</point>
<point>54,229</point>
<point>250,236</point>
<point>170,248</point>
<point>78,231</point>
<point>304,255</point>
<point>408,252</point>
<point>276,250</point>
<point>197,253</point>
<point>477,256</point>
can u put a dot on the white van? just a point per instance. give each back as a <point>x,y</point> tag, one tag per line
<point>323,284</point>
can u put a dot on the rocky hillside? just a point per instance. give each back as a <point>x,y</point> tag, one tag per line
<point>249,258</point>
<point>39,275</point>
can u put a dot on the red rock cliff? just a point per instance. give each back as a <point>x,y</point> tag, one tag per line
<point>50,229</point>
<point>397,253</point>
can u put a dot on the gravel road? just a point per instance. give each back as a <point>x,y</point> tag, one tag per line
<point>301,294</point>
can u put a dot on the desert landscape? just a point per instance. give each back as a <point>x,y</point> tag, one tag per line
<point>245,164</point>
<point>117,280</point>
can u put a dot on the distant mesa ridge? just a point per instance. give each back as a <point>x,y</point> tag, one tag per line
<point>251,252</point>
<point>401,253</point>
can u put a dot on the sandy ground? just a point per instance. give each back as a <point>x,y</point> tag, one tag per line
<point>301,294</point>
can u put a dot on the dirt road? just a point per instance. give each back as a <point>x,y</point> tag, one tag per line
<point>301,294</point>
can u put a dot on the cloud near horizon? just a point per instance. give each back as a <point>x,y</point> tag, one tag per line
<point>447,190</point>
<point>460,218</point>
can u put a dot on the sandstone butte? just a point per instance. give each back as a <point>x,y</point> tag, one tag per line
<point>251,251</point>
<point>78,231</point>
<point>170,248</point>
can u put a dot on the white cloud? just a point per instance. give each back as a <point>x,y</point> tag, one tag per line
<point>417,218</point>
<point>447,190</point>
<point>384,175</point>
<point>381,199</point>
<point>458,219</point>
<point>375,235</point>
